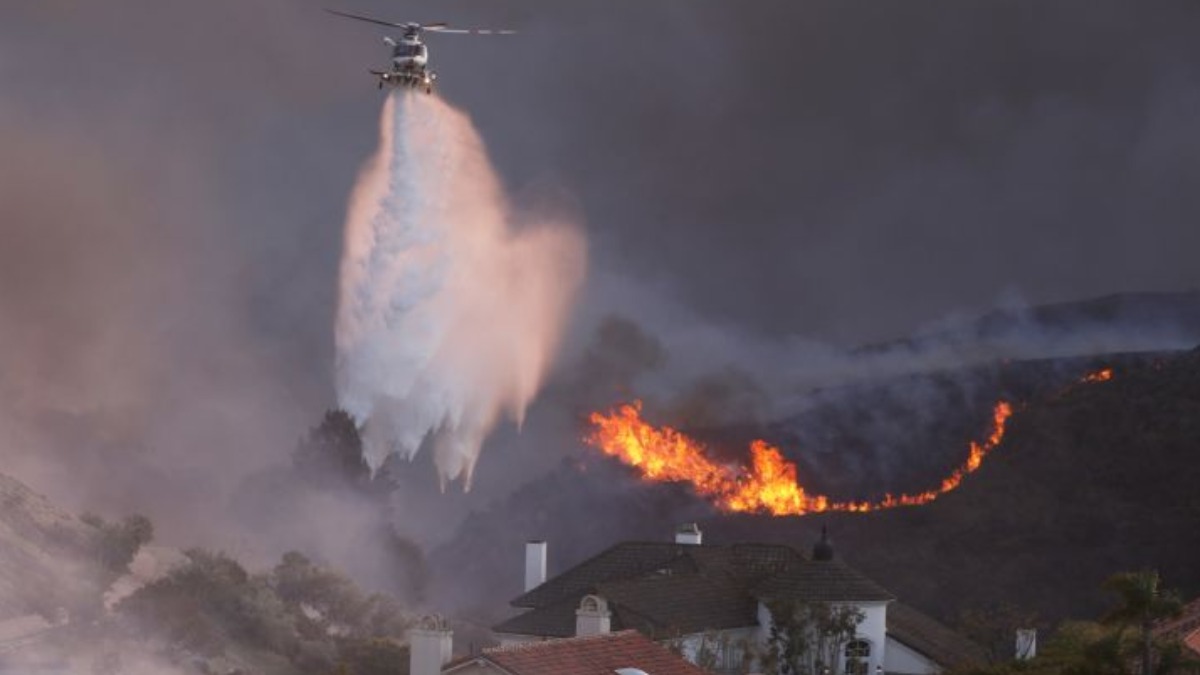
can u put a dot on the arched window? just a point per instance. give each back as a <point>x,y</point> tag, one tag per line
<point>858,657</point>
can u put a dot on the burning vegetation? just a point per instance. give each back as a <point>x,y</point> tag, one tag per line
<point>769,483</point>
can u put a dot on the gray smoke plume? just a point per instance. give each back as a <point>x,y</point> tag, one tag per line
<point>449,315</point>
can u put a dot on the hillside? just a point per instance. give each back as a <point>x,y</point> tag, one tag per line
<point>163,611</point>
<point>1099,479</point>
<point>1134,320</point>
<point>46,555</point>
<point>1089,480</point>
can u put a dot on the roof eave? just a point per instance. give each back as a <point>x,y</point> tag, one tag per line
<point>943,663</point>
<point>476,661</point>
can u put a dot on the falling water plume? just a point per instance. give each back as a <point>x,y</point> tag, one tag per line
<point>450,311</point>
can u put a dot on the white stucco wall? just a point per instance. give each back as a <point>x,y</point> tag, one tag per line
<point>739,640</point>
<point>899,659</point>
<point>873,629</point>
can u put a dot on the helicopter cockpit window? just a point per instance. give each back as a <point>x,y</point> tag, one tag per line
<point>406,50</point>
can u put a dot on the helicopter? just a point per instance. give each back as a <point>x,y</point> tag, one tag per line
<point>410,56</point>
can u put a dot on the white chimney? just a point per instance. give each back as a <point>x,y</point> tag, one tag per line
<point>592,617</point>
<point>1026,643</point>
<point>535,564</point>
<point>688,533</point>
<point>430,645</point>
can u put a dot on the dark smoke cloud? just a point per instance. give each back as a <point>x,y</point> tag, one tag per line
<point>173,177</point>
<point>855,169</point>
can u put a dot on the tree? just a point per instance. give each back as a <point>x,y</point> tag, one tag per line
<point>411,571</point>
<point>807,637</point>
<point>331,455</point>
<point>332,604</point>
<point>1109,647</point>
<point>116,544</point>
<point>210,601</point>
<point>1142,603</point>
<point>374,656</point>
<point>994,626</point>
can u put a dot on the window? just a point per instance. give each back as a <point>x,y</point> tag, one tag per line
<point>858,657</point>
<point>733,657</point>
<point>407,50</point>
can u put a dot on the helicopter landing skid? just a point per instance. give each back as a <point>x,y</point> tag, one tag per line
<point>397,79</point>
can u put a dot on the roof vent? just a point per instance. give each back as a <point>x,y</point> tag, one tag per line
<point>630,671</point>
<point>823,550</point>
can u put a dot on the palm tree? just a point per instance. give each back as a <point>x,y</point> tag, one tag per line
<point>1143,602</point>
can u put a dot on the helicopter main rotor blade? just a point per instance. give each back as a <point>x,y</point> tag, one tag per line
<point>470,31</point>
<point>365,18</point>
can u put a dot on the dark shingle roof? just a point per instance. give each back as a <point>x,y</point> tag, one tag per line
<point>931,638</point>
<point>556,620</point>
<point>667,589</point>
<point>657,606</point>
<point>821,581</point>
<point>681,605</point>
<point>595,655</point>
<point>618,562</point>
<point>631,560</point>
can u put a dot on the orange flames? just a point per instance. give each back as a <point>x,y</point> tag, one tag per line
<point>768,485</point>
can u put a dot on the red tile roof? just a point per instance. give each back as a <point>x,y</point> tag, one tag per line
<point>1185,628</point>
<point>1192,641</point>
<point>594,655</point>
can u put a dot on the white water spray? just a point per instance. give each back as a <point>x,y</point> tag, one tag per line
<point>448,317</point>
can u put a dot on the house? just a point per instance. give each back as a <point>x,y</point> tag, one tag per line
<point>1185,628</point>
<point>623,653</point>
<point>713,601</point>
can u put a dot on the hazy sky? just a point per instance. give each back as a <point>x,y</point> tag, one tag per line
<point>173,177</point>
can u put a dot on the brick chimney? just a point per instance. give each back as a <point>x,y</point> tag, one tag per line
<point>535,564</point>
<point>592,617</point>
<point>688,533</point>
<point>430,645</point>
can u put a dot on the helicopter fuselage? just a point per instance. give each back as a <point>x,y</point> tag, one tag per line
<point>409,53</point>
<point>410,56</point>
<point>410,65</point>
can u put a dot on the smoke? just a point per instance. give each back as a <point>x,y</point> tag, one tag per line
<point>449,315</point>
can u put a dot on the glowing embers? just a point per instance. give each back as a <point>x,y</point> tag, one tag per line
<point>768,485</point>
